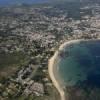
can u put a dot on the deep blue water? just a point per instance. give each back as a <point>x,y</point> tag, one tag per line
<point>80,64</point>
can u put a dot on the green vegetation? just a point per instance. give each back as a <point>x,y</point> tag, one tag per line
<point>10,62</point>
<point>52,95</point>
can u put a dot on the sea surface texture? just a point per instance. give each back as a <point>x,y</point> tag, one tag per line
<point>80,64</point>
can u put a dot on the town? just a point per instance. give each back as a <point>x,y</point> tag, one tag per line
<point>32,34</point>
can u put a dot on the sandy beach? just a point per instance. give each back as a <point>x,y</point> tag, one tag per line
<point>51,69</point>
<point>52,76</point>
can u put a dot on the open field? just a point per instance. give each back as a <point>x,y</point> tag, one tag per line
<point>9,63</point>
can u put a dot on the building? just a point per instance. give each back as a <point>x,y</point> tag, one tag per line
<point>37,88</point>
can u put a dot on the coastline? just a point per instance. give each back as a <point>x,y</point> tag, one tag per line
<point>52,76</point>
<point>52,69</point>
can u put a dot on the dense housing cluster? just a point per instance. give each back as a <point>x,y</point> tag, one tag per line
<point>36,32</point>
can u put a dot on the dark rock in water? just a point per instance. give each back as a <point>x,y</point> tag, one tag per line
<point>64,54</point>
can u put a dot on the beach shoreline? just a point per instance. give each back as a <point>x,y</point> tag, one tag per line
<point>52,68</point>
<point>52,76</point>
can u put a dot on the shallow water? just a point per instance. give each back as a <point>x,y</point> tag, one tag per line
<point>80,64</point>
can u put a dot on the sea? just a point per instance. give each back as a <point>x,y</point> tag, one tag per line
<point>80,64</point>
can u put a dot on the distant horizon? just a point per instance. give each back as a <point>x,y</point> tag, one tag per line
<point>16,2</point>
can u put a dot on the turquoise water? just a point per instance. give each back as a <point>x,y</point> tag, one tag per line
<point>80,64</point>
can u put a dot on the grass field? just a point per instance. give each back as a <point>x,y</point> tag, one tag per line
<point>9,63</point>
